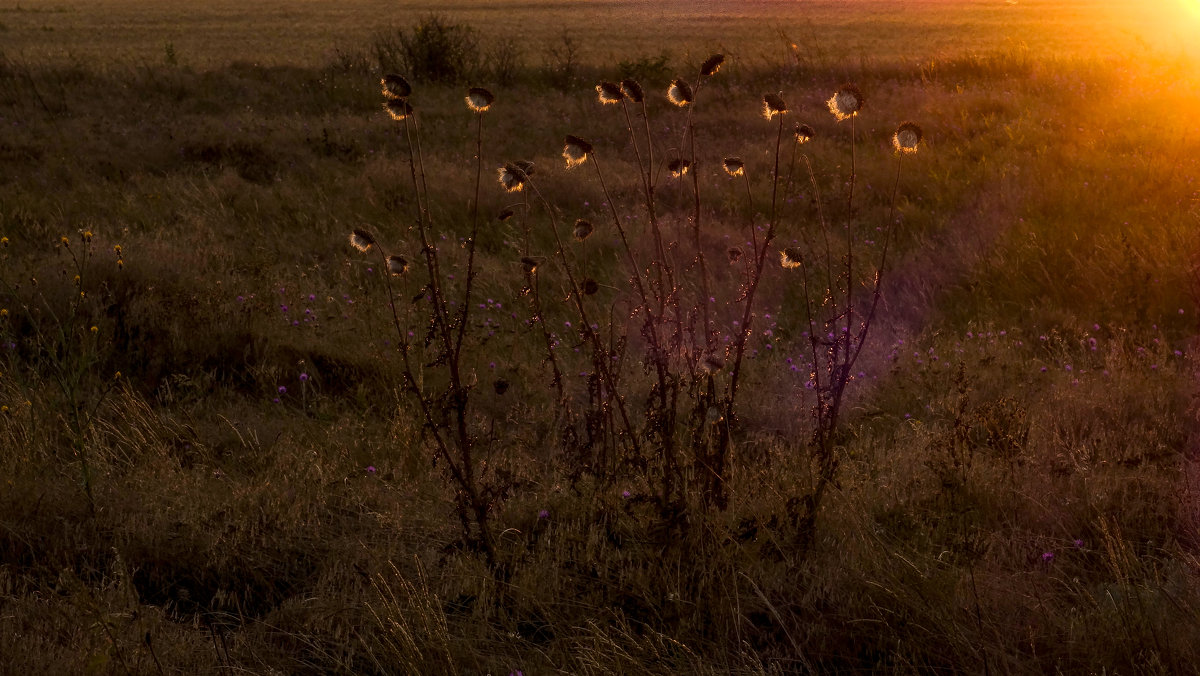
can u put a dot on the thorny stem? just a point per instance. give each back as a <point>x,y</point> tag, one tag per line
<point>471,272</point>
<point>659,356</point>
<point>887,239</point>
<point>750,220</point>
<point>591,334</point>
<point>850,243</point>
<point>747,315</point>
<point>633,264</point>
<point>465,474</point>
<point>644,173</point>
<point>708,333</point>
<point>531,279</point>
<point>812,177</point>
<point>427,246</point>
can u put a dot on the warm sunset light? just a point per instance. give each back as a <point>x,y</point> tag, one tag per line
<point>534,337</point>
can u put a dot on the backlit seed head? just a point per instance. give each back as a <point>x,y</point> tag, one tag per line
<point>907,137</point>
<point>590,287</point>
<point>582,229</point>
<point>845,102</point>
<point>479,99</point>
<point>361,240</point>
<point>610,92</point>
<point>633,89</point>
<point>734,166</point>
<point>397,265</point>
<point>395,86</point>
<point>734,253</point>
<point>575,151</point>
<point>680,93</point>
<point>790,257</point>
<point>712,363</point>
<point>505,215</point>
<point>678,167</point>
<point>772,105</point>
<point>711,65</point>
<point>3,241</point>
<point>530,265</point>
<point>525,166</point>
<point>398,109</point>
<point>512,177</point>
<point>803,133</point>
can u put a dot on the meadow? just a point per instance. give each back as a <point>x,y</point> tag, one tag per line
<point>233,441</point>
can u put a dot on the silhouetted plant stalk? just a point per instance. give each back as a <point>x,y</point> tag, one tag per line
<point>589,333</point>
<point>715,486</point>
<point>453,438</point>
<point>833,355</point>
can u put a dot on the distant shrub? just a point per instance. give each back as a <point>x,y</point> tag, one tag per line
<point>562,62</point>
<point>433,50</point>
<point>648,68</point>
<point>505,60</point>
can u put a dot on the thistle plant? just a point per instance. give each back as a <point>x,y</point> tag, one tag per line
<point>443,400</point>
<point>672,423</point>
<point>836,333</point>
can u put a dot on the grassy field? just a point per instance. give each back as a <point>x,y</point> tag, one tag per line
<point>230,443</point>
<point>306,32</point>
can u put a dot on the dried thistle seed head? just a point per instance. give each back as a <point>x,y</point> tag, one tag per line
<point>734,166</point>
<point>711,65</point>
<point>575,151</point>
<point>803,133</point>
<point>633,89</point>
<point>398,108</point>
<point>680,93</point>
<point>678,167</point>
<point>525,166</point>
<point>505,215</point>
<point>791,257</point>
<point>395,86</point>
<point>361,239</point>
<point>845,102</point>
<point>530,265</point>
<point>590,287</point>
<point>500,386</point>
<point>772,105</point>
<point>712,363</point>
<point>582,229</point>
<point>907,137</point>
<point>610,92</point>
<point>512,177</point>
<point>734,253</point>
<point>397,265</point>
<point>479,99</point>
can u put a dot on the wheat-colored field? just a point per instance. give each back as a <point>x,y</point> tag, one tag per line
<point>715,430</point>
<point>304,32</point>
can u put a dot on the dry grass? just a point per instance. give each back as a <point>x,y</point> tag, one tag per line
<point>1017,490</point>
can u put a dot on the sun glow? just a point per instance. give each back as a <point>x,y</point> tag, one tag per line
<point>1171,26</point>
